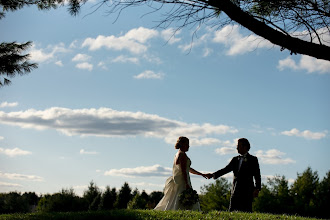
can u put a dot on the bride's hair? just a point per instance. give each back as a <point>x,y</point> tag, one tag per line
<point>180,141</point>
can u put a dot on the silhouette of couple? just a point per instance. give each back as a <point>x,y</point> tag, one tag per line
<point>245,167</point>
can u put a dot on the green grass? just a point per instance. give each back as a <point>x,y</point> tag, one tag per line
<point>149,215</point>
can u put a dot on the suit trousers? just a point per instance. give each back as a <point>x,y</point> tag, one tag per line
<point>241,203</point>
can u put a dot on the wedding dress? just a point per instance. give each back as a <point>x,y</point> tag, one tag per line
<point>175,185</point>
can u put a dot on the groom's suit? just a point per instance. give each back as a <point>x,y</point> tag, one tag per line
<point>243,185</point>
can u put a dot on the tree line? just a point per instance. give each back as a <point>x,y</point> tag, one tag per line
<point>307,196</point>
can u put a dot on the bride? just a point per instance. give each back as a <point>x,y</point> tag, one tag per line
<point>180,180</point>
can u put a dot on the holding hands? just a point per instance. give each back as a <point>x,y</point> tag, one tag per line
<point>207,175</point>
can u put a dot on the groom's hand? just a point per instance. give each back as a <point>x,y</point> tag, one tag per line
<point>255,193</point>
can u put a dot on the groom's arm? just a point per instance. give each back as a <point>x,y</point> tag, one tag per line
<point>225,170</point>
<point>257,175</point>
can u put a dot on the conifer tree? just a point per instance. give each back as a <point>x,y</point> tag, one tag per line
<point>13,62</point>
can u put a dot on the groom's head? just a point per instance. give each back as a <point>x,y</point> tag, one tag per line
<point>243,146</point>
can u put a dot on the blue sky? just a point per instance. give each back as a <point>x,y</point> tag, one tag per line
<point>110,98</point>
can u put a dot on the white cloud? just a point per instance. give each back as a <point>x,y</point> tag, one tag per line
<point>107,122</point>
<point>73,45</point>
<point>42,55</point>
<point>322,32</point>
<point>85,66</point>
<point>149,74</point>
<point>204,141</point>
<point>170,35</point>
<point>310,64</point>
<point>273,156</point>
<point>195,43</point>
<point>305,134</point>
<point>155,170</point>
<point>1,138</point>
<point>237,43</point>
<point>229,147</point>
<point>147,187</point>
<point>152,59</point>
<point>81,58</point>
<point>225,150</point>
<point>4,184</point>
<point>147,184</point>
<point>16,176</point>
<point>8,104</point>
<point>102,65</point>
<point>232,143</point>
<point>133,41</point>
<point>141,34</point>
<point>125,59</point>
<point>207,52</point>
<point>14,152</point>
<point>82,151</point>
<point>59,63</point>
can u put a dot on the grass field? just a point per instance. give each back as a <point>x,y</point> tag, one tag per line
<point>149,215</point>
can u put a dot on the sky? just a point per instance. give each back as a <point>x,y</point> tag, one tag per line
<point>112,94</point>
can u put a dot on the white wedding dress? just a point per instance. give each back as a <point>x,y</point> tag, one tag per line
<point>175,185</point>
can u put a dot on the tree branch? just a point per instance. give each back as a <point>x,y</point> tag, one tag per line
<point>295,45</point>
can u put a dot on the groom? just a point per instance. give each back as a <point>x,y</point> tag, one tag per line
<point>245,167</point>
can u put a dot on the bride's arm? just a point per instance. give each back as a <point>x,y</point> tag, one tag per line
<point>193,171</point>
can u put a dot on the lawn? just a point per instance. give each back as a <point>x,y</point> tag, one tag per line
<point>150,215</point>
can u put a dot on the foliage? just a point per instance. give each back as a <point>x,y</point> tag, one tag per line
<point>13,202</point>
<point>264,201</point>
<point>154,198</point>
<point>92,196</point>
<point>215,196</point>
<point>323,197</point>
<point>299,26</point>
<point>108,199</point>
<point>13,62</point>
<point>188,198</point>
<point>64,201</point>
<point>275,197</point>
<point>139,201</point>
<point>124,196</point>
<point>306,197</point>
<point>304,190</point>
<point>151,215</point>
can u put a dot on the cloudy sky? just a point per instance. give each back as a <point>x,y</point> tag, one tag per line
<point>110,98</point>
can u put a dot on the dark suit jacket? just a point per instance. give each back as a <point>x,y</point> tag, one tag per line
<point>243,184</point>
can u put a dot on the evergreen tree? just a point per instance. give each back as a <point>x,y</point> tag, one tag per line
<point>323,197</point>
<point>265,201</point>
<point>303,191</point>
<point>108,199</point>
<point>13,62</point>
<point>139,201</point>
<point>154,198</point>
<point>91,193</point>
<point>124,196</point>
<point>95,204</point>
<point>280,190</point>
